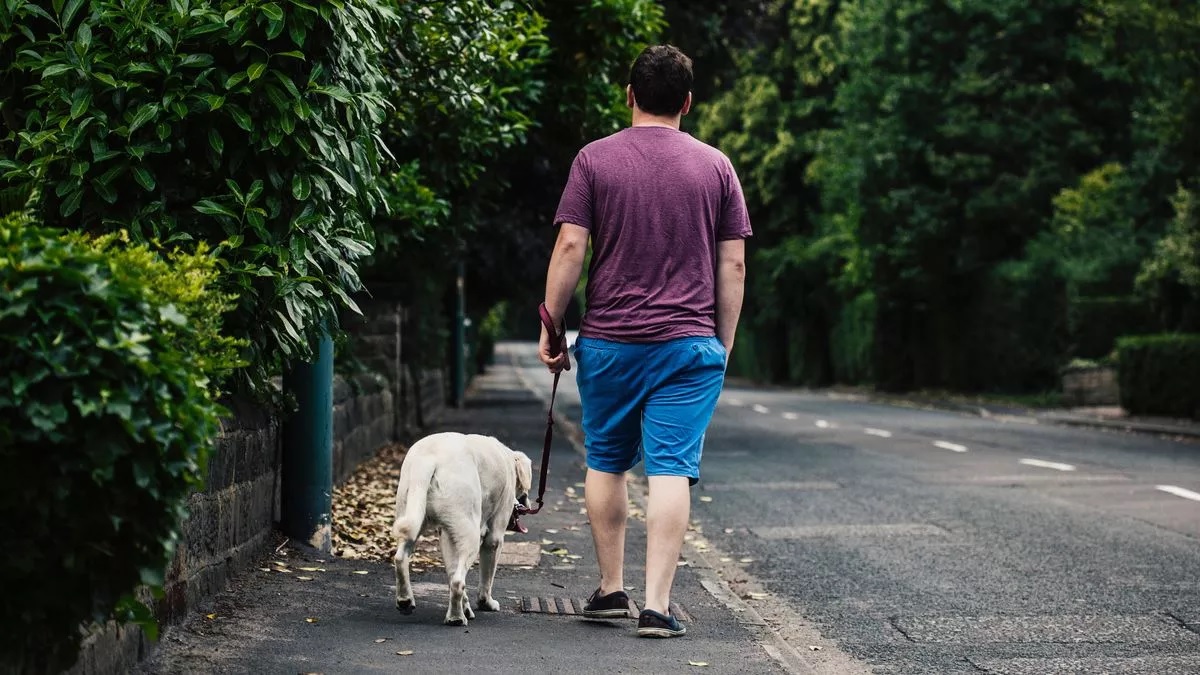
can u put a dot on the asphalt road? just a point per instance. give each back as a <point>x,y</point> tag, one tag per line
<point>922,541</point>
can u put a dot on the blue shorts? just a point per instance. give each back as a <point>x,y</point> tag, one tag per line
<point>648,401</point>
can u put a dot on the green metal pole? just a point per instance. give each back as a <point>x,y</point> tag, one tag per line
<point>306,486</point>
<point>460,341</point>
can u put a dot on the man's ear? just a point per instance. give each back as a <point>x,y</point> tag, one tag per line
<point>629,102</point>
<point>687,104</point>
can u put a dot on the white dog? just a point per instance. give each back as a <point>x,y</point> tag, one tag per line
<point>465,486</point>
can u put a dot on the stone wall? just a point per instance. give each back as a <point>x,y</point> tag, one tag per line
<point>1091,387</point>
<point>383,335</point>
<point>231,522</point>
<point>364,420</point>
<point>229,525</point>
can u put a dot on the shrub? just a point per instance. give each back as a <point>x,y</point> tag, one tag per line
<point>1157,374</point>
<point>107,411</point>
<point>250,125</point>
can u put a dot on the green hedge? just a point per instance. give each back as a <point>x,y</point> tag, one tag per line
<point>249,124</point>
<point>1160,374</point>
<point>107,411</point>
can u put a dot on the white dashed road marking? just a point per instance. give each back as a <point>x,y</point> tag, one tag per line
<point>953,447</point>
<point>1057,466</point>
<point>1180,492</point>
<point>761,409</point>
<point>790,416</point>
<point>878,432</point>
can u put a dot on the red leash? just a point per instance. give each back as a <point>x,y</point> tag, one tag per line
<point>556,348</point>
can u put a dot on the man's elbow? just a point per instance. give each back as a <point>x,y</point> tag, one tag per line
<point>734,270</point>
<point>572,242</point>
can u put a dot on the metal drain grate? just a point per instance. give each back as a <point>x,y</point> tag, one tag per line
<point>574,607</point>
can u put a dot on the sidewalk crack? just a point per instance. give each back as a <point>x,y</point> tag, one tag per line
<point>1191,627</point>
<point>974,665</point>
<point>895,621</point>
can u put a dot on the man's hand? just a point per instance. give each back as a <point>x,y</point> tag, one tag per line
<point>566,264</point>
<point>556,364</point>
<point>731,282</point>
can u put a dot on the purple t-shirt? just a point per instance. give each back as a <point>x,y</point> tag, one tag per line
<point>656,202</point>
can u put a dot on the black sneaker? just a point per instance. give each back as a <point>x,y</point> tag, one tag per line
<point>655,625</point>
<point>615,605</point>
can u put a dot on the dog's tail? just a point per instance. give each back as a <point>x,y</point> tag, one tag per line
<point>411,496</point>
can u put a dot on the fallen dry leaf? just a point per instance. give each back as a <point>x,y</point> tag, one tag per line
<point>405,652</point>
<point>546,542</point>
<point>378,640</point>
<point>310,569</point>
<point>726,559</point>
<point>551,531</point>
<point>304,578</point>
<point>311,619</point>
<point>706,498</point>
<point>746,560</point>
<point>364,508</point>
<point>814,648</point>
<point>698,664</point>
<point>210,617</point>
<point>756,596</point>
<point>361,572</point>
<point>729,530</point>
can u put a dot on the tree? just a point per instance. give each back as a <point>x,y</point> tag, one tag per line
<point>770,122</point>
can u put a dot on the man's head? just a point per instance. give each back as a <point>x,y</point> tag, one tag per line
<point>660,81</point>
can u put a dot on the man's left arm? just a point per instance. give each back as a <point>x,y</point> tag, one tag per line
<point>566,266</point>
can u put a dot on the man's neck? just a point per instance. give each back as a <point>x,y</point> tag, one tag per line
<point>641,119</point>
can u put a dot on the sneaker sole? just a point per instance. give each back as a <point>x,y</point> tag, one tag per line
<point>606,613</point>
<point>660,632</point>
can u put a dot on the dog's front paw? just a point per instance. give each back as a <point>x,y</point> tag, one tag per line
<point>456,621</point>
<point>488,605</point>
<point>406,606</point>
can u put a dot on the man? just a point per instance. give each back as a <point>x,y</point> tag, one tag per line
<point>667,223</point>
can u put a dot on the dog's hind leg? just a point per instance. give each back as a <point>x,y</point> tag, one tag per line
<point>459,553</point>
<point>489,560</point>
<point>404,597</point>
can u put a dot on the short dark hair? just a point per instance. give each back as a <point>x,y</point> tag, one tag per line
<point>661,78</point>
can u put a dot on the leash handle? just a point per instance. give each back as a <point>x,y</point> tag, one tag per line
<point>556,340</point>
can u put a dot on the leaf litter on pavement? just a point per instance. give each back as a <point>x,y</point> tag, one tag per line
<point>364,508</point>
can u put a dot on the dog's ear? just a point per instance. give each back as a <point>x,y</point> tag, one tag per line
<point>524,472</point>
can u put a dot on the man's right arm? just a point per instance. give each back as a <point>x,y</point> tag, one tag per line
<point>731,282</point>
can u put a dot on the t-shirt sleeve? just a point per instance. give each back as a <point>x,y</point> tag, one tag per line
<point>735,221</point>
<point>575,206</point>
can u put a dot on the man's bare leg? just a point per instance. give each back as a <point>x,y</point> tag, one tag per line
<point>607,500</point>
<point>667,511</point>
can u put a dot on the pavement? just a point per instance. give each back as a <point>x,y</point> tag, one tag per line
<point>344,619</point>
